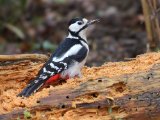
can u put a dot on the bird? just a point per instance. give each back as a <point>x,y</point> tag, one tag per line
<point>67,60</point>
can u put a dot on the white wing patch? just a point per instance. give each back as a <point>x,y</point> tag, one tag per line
<point>53,66</point>
<point>44,69</point>
<point>43,77</point>
<point>35,81</point>
<point>72,51</point>
<point>65,65</point>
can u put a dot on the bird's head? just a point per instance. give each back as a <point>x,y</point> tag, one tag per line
<point>77,27</point>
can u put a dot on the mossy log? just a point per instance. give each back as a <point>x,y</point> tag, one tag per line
<point>132,96</point>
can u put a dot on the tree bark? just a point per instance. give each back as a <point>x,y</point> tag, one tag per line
<point>132,97</point>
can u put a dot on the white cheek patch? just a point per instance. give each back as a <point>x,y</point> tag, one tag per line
<point>75,27</point>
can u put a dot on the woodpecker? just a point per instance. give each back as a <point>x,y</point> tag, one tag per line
<point>67,60</point>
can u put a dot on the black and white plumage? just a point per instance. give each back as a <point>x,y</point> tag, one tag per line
<point>67,60</point>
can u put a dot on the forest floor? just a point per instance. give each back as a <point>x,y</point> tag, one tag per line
<point>9,101</point>
<point>119,34</point>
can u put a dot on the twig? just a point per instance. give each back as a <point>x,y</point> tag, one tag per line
<point>147,22</point>
<point>41,57</point>
<point>129,59</point>
<point>156,19</point>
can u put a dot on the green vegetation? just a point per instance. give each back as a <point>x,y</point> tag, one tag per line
<point>27,114</point>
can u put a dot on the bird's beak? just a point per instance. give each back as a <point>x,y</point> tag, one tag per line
<point>92,22</point>
<point>89,23</point>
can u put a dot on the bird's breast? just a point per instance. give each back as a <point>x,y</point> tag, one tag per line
<point>73,70</point>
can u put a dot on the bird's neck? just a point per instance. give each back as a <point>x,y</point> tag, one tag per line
<point>80,35</point>
<point>82,38</point>
<point>72,36</point>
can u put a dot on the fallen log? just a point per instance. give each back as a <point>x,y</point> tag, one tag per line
<point>130,96</point>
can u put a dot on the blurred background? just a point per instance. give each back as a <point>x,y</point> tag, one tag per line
<point>38,26</point>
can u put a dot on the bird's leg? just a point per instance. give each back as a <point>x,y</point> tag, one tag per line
<point>79,75</point>
<point>76,76</point>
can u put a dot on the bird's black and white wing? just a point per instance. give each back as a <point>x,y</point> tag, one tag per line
<point>68,52</point>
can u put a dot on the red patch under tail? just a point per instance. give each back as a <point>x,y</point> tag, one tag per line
<point>53,79</point>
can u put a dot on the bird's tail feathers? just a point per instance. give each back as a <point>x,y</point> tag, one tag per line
<point>32,87</point>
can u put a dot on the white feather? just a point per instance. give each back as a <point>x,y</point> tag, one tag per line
<point>53,66</point>
<point>72,51</point>
<point>44,69</point>
<point>43,77</point>
<point>73,70</point>
<point>85,44</point>
<point>75,28</point>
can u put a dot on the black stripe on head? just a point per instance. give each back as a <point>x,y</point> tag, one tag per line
<point>75,20</point>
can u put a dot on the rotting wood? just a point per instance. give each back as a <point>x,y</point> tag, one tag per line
<point>134,96</point>
<point>23,70</point>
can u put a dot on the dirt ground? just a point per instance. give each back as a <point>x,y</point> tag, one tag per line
<point>9,101</point>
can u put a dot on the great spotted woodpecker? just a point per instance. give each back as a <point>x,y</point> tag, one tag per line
<point>68,59</point>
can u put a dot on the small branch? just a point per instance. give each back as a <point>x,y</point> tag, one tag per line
<point>156,20</point>
<point>41,57</point>
<point>129,59</point>
<point>146,12</point>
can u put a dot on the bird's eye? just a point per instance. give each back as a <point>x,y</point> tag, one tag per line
<point>80,23</point>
